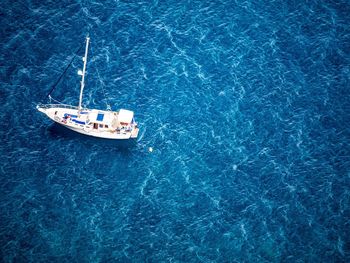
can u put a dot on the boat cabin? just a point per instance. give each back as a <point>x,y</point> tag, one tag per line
<point>108,120</point>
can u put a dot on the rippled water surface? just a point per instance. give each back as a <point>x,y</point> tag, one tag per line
<point>246,106</point>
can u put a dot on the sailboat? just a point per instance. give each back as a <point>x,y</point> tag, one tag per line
<point>107,124</point>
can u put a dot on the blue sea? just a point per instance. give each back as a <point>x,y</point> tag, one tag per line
<point>246,106</point>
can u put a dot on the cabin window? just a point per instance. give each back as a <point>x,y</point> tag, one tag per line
<point>106,126</point>
<point>100,117</point>
<point>101,125</point>
<point>95,126</point>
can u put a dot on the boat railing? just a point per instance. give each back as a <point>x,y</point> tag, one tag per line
<point>49,106</point>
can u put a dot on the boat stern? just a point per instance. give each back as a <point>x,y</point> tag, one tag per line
<point>134,133</point>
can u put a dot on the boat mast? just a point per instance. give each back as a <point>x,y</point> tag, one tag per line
<point>82,83</point>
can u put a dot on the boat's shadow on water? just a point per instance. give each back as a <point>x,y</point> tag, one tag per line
<point>58,131</point>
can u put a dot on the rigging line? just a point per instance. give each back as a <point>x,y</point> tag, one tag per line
<point>104,93</point>
<point>54,100</point>
<point>64,72</point>
<point>102,84</point>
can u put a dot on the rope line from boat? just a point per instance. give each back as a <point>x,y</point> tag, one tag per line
<point>64,72</point>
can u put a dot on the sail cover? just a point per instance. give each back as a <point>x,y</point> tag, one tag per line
<point>125,116</point>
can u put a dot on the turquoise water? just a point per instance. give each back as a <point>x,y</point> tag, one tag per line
<point>245,104</point>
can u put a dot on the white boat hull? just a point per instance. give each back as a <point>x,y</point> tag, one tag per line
<point>104,135</point>
<point>80,125</point>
